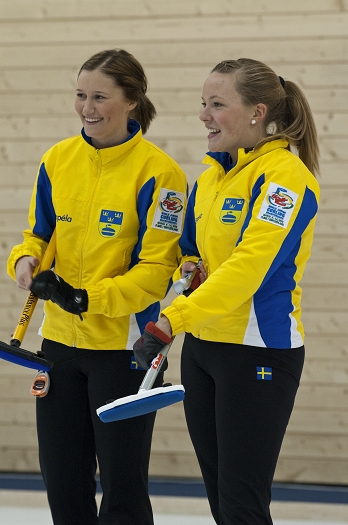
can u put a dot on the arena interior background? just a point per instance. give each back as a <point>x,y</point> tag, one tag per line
<point>43,44</point>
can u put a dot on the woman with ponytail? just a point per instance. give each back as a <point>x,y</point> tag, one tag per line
<point>116,202</point>
<point>250,220</point>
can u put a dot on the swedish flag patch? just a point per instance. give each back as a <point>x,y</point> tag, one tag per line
<point>263,373</point>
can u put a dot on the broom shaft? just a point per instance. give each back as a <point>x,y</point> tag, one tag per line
<point>152,373</point>
<point>31,301</point>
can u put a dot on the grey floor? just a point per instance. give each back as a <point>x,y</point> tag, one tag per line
<point>35,516</point>
<point>30,508</point>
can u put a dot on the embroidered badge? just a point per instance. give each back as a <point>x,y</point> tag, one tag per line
<point>110,223</point>
<point>263,373</point>
<point>278,205</point>
<point>169,212</point>
<point>231,211</point>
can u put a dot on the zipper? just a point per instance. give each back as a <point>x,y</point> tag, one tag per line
<point>91,195</point>
<point>90,198</point>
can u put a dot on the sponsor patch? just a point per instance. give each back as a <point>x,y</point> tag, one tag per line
<point>110,223</point>
<point>231,211</point>
<point>169,211</point>
<point>64,218</point>
<point>278,205</point>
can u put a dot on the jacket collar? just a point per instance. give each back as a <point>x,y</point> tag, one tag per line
<point>108,154</point>
<point>244,155</point>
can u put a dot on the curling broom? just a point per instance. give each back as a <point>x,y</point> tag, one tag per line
<point>151,399</point>
<point>13,352</point>
<point>147,399</point>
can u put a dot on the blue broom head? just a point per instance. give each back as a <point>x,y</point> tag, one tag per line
<point>22,357</point>
<point>144,402</point>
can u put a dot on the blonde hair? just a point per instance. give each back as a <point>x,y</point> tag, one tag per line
<point>287,107</point>
<point>129,75</point>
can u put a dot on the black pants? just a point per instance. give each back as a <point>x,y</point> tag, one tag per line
<point>71,437</point>
<point>238,402</point>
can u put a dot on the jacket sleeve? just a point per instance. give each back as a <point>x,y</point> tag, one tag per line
<point>262,248</point>
<point>41,223</point>
<point>161,208</point>
<point>188,250</point>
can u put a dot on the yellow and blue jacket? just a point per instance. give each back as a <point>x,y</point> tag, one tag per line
<point>118,214</point>
<point>252,224</point>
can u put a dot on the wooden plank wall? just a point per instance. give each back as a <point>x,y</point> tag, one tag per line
<point>43,43</point>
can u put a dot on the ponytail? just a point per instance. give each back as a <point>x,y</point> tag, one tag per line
<point>288,112</point>
<point>297,127</point>
<point>144,112</point>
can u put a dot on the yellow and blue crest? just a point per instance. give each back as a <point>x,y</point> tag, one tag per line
<point>110,223</point>
<point>231,211</point>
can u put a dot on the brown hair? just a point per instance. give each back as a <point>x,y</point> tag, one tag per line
<point>129,75</point>
<point>287,106</point>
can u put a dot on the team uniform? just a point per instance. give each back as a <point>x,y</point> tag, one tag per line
<point>252,224</point>
<point>118,215</point>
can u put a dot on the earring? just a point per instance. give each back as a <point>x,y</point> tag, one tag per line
<point>253,121</point>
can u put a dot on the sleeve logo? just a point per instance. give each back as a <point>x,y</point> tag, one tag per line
<point>110,223</point>
<point>278,205</point>
<point>169,211</point>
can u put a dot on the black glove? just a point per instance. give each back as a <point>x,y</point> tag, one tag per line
<point>49,286</point>
<point>149,345</point>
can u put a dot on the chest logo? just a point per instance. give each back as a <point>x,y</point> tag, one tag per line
<point>231,211</point>
<point>110,223</point>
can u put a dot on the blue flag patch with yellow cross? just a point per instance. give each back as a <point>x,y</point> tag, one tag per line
<point>263,373</point>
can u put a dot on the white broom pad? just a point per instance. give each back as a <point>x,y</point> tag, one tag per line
<point>142,394</point>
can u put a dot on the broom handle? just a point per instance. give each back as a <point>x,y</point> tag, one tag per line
<point>155,367</point>
<point>31,301</point>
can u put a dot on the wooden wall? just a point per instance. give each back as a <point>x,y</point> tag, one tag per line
<point>43,43</point>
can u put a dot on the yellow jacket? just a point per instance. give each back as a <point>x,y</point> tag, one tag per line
<point>118,215</point>
<point>253,226</point>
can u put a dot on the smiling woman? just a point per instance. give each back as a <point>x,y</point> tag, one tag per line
<point>109,195</point>
<point>103,109</point>
<point>226,118</point>
<point>250,221</point>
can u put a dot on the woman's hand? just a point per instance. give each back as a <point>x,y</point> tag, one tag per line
<point>163,322</point>
<point>25,267</point>
<point>190,266</point>
<point>164,325</point>
<point>152,342</point>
